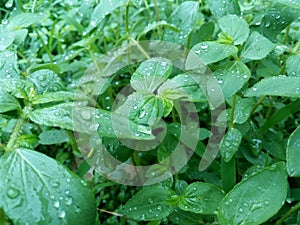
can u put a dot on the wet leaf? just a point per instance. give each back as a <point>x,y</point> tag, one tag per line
<point>8,102</point>
<point>220,8</point>
<point>292,154</point>
<point>230,144</point>
<point>293,66</point>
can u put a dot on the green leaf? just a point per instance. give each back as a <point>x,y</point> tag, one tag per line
<point>182,87</point>
<point>230,144</point>
<point>104,8</point>
<point>243,107</point>
<point>46,81</point>
<point>157,24</point>
<point>256,198</point>
<point>17,87</point>
<point>211,52</point>
<point>180,217</point>
<point>235,27</point>
<point>50,137</point>
<point>276,86</point>
<point>150,203</point>
<point>291,3</point>
<point>8,102</point>
<point>6,39</point>
<point>201,197</point>
<point>232,77</point>
<point>58,96</point>
<point>292,154</point>
<point>184,17</point>
<point>276,19</point>
<point>220,8</point>
<point>8,65</point>
<point>293,66</point>
<point>23,20</point>
<point>35,189</point>
<point>150,75</point>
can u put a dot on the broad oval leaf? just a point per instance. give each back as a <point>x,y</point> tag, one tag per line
<point>6,39</point>
<point>232,77</point>
<point>293,66</point>
<point>150,203</point>
<point>220,8</point>
<point>201,197</point>
<point>8,102</point>
<point>8,65</point>
<point>242,111</point>
<point>235,27</point>
<point>257,47</point>
<point>276,86</point>
<point>180,217</point>
<point>35,189</point>
<point>211,52</point>
<point>46,81</point>
<point>256,198</point>
<point>292,154</point>
<point>230,144</point>
<point>17,87</point>
<point>58,96</point>
<point>50,137</point>
<point>150,74</point>
<point>184,18</point>
<point>23,20</point>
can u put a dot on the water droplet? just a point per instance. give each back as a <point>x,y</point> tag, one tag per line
<point>150,201</point>
<point>61,214</point>
<point>254,89</point>
<point>86,115</point>
<point>68,200</point>
<point>13,193</point>
<point>241,210</point>
<point>56,204</point>
<point>158,207</point>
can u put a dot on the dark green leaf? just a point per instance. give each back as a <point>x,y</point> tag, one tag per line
<point>180,217</point>
<point>8,65</point>
<point>220,8</point>
<point>230,144</point>
<point>276,86</point>
<point>8,102</point>
<point>292,154</point>
<point>50,137</point>
<point>293,66</point>
<point>155,25</point>
<point>257,47</point>
<point>243,107</point>
<point>201,197</point>
<point>150,203</point>
<point>211,52</point>
<point>256,198</point>
<point>37,190</point>
<point>59,96</point>
<point>235,27</point>
<point>17,87</point>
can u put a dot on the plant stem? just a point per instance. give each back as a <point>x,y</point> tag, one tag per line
<point>296,48</point>
<point>262,98</point>
<point>141,49</point>
<point>288,214</point>
<point>228,172</point>
<point>11,145</point>
<point>156,11</point>
<point>45,47</point>
<point>232,112</point>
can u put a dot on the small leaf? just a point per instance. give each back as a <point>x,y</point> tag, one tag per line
<point>150,74</point>
<point>35,189</point>
<point>17,87</point>
<point>243,107</point>
<point>235,27</point>
<point>46,81</point>
<point>8,102</point>
<point>184,17</point>
<point>150,203</point>
<point>6,39</point>
<point>292,154</point>
<point>104,8</point>
<point>211,52</point>
<point>50,137</point>
<point>232,77</point>
<point>293,66</point>
<point>23,20</point>
<point>58,96</point>
<point>8,65</point>
<point>256,198</point>
<point>257,47</point>
<point>201,197</point>
<point>220,8</point>
<point>276,86</point>
<point>230,144</point>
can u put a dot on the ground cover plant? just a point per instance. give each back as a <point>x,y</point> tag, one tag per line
<point>149,112</point>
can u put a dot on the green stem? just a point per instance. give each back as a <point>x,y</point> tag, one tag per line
<point>127,18</point>
<point>262,98</point>
<point>156,11</point>
<point>3,220</point>
<point>232,112</point>
<point>228,172</point>
<point>45,47</point>
<point>11,145</point>
<point>296,48</point>
<point>286,35</point>
<point>141,49</point>
<point>293,210</point>
<point>73,141</point>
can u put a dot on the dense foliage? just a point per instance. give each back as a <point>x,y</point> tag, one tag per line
<point>66,107</point>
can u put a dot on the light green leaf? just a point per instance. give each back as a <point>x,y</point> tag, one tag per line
<point>150,203</point>
<point>23,20</point>
<point>35,189</point>
<point>8,102</point>
<point>8,65</point>
<point>220,8</point>
<point>230,144</point>
<point>16,86</point>
<point>291,3</point>
<point>58,96</point>
<point>293,66</point>
<point>104,8</point>
<point>150,74</point>
<point>184,17</point>
<point>157,24</point>
<point>201,197</point>
<point>182,87</point>
<point>6,39</point>
<point>243,107</point>
<point>211,52</point>
<point>232,77</point>
<point>256,198</point>
<point>292,154</point>
<point>276,86</point>
<point>50,137</point>
<point>235,27</point>
<point>257,47</point>
<point>46,81</point>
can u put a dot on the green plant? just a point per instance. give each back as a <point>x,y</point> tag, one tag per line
<point>65,67</point>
